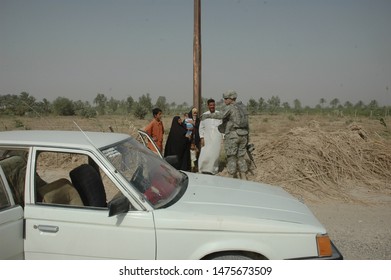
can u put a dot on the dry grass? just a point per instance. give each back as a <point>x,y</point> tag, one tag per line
<point>312,161</point>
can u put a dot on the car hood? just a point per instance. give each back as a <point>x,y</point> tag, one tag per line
<point>220,203</point>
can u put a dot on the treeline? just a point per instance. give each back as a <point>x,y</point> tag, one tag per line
<point>274,105</point>
<point>25,104</point>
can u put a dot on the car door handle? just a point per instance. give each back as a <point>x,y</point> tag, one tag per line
<point>45,228</point>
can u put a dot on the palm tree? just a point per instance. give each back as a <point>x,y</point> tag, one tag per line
<point>334,103</point>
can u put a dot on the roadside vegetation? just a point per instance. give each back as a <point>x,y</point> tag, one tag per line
<point>26,105</point>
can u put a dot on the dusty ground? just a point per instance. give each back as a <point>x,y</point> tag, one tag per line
<point>339,166</point>
<point>360,232</point>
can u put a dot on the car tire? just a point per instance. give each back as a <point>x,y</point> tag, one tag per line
<point>232,257</point>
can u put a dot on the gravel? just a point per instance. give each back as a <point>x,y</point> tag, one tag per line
<point>361,231</point>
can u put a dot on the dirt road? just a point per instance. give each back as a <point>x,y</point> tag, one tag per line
<point>361,231</point>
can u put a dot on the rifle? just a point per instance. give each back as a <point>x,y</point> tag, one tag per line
<point>250,148</point>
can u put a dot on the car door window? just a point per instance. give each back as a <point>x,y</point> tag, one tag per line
<point>71,179</point>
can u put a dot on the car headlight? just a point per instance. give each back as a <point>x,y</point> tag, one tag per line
<point>324,245</point>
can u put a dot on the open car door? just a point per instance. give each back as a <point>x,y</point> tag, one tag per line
<point>11,223</point>
<point>146,138</point>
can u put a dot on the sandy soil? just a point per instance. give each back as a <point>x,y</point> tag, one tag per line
<point>360,231</point>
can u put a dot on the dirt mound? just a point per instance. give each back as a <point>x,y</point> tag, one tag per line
<point>310,162</point>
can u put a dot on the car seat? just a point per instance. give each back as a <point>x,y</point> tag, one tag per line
<point>60,191</point>
<point>88,183</point>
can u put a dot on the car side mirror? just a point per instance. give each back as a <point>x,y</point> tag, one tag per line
<point>118,205</point>
<point>173,160</point>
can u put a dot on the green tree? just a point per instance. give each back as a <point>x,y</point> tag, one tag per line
<point>348,105</point>
<point>334,103</point>
<point>373,108</point>
<point>84,109</point>
<point>273,104</point>
<point>100,103</point>
<point>359,105</point>
<point>25,104</point>
<point>8,103</point>
<point>286,106</point>
<point>129,104</point>
<point>162,104</point>
<point>63,106</point>
<point>297,106</point>
<point>112,105</point>
<point>252,106</point>
<point>43,107</point>
<point>262,105</point>
<point>146,102</point>
<point>139,111</point>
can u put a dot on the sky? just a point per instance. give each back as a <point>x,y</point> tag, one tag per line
<point>293,49</point>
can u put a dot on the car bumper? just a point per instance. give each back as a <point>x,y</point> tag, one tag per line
<point>335,256</point>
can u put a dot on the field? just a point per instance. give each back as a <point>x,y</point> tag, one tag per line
<point>340,167</point>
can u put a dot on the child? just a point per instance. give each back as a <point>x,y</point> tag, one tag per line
<point>189,125</point>
<point>156,130</point>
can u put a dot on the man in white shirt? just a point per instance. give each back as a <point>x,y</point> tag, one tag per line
<point>208,162</point>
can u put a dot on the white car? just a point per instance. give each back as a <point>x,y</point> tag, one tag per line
<point>95,195</point>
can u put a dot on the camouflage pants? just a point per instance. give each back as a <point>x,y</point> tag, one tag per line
<point>235,150</point>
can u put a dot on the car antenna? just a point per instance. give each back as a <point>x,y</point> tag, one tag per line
<point>88,138</point>
<point>85,135</point>
<point>36,112</point>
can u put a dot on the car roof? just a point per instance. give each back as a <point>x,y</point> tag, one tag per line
<point>56,138</point>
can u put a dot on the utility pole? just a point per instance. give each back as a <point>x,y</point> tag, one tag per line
<point>197,56</point>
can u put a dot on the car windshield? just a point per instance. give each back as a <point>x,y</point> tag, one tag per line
<point>159,182</point>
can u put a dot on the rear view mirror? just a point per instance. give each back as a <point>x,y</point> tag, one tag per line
<point>173,160</point>
<point>118,205</point>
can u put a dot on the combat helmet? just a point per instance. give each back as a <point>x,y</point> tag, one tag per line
<point>230,94</point>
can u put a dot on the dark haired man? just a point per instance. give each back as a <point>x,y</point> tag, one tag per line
<point>208,162</point>
<point>156,130</point>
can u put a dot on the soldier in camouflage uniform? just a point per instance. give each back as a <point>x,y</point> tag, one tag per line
<point>236,129</point>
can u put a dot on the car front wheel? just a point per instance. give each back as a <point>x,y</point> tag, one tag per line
<point>231,257</point>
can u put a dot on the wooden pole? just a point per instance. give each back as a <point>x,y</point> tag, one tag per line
<point>197,56</point>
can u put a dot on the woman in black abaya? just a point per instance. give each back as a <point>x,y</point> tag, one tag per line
<point>178,144</point>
